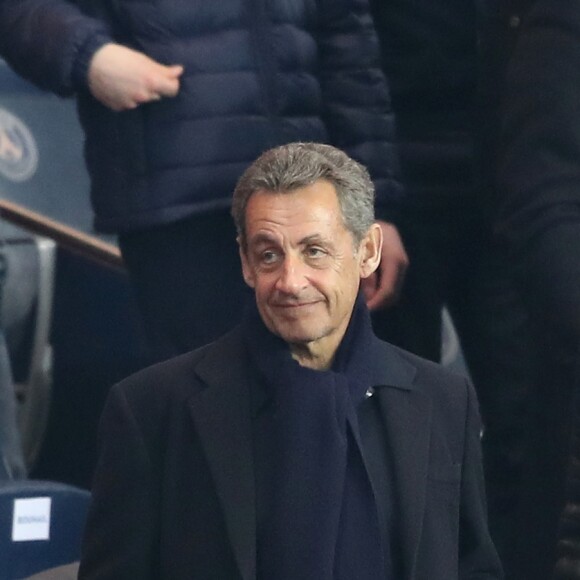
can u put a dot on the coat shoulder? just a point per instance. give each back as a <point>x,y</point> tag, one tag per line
<point>433,379</point>
<point>181,377</point>
<point>427,369</point>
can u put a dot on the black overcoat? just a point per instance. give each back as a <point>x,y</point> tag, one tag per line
<point>174,490</point>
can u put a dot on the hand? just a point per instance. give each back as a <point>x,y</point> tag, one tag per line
<point>122,78</point>
<point>382,288</point>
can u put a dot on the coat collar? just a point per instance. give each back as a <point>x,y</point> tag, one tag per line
<point>222,415</point>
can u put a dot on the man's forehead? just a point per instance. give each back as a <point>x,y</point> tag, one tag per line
<point>265,237</point>
<point>297,217</point>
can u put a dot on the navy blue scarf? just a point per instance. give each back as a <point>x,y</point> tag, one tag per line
<point>321,521</point>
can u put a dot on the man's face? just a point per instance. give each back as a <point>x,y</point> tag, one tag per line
<point>303,264</point>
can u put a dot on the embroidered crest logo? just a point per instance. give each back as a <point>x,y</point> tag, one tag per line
<point>18,150</point>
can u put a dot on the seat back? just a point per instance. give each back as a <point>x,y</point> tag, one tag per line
<point>27,290</point>
<point>41,526</point>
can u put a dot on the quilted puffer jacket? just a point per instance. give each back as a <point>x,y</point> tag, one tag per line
<point>429,54</point>
<point>258,73</point>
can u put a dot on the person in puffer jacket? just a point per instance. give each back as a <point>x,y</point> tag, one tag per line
<point>176,98</point>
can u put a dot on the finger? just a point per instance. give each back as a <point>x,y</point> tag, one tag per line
<point>372,292</point>
<point>386,288</point>
<point>380,298</point>
<point>167,87</point>
<point>175,70</point>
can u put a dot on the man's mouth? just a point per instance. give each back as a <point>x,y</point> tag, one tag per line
<point>295,304</point>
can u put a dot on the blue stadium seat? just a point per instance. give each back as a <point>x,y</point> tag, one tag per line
<point>41,525</point>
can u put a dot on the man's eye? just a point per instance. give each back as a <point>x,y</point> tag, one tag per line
<point>269,257</point>
<point>315,252</point>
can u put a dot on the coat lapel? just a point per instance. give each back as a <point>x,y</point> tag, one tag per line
<point>407,415</point>
<point>222,418</point>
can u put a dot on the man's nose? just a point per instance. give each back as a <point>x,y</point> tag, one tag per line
<point>292,277</point>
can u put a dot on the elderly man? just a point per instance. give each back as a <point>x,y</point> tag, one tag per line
<point>298,446</point>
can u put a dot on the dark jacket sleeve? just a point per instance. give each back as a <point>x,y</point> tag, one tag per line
<point>49,42</point>
<point>540,143</point>
<point>568,556</point>
<point>358,112</point>
<point>540,160</point>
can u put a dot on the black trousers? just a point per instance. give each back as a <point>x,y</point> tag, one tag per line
<point>453,263</point>
<point>187,280</point>
<point>548,269</point>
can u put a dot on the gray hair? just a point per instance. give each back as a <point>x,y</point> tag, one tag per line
<point>296,165</point>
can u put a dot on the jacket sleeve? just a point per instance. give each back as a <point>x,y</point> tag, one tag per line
<point>478,559</point>
<point>355,94</point>
<point>49,42</point>
<point>540,152</point>
<point>119,533</point>
<point>540,141</point>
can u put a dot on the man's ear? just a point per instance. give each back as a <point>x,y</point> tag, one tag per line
<point>370,250</point>
<point>247,271</point>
